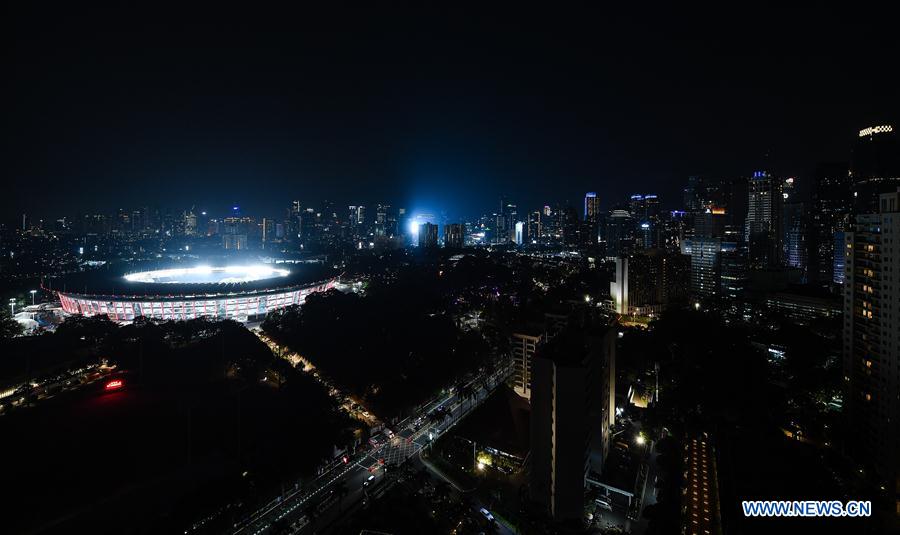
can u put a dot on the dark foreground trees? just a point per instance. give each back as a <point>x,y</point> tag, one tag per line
<point>393,347</point>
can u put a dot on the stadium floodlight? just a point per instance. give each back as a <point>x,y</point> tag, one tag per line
<point>207,275</point>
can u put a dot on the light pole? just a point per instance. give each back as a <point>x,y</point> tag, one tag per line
<point>32,296</point>
<point>12,307</point>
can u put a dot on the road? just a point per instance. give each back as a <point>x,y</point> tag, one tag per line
<point>291,509</point>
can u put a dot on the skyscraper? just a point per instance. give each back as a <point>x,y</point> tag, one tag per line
<point>619,233</point>
<point>454,235</point>
<point>519,233</point>
<point>645,214</point>
<point>618,287</point>
<point>428,235</point>
<point>793,230</point>
<point>591,207</point>
<point>637,207</point>
<point>535,226</point>
<point>871,359</point>
<point>704,252</point>
<point>190,223</point>
<point>572,410</point>
<point>571,226</point>
<point>762,224</point>
<point>832,203</point>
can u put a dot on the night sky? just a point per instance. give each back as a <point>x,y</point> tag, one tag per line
<point>438,110</point>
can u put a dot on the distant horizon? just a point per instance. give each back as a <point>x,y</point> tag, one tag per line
<point>428,109</point>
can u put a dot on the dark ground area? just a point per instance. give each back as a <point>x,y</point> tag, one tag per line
<point>209,423</point>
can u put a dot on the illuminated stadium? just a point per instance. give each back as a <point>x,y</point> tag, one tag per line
<point>242,292</point>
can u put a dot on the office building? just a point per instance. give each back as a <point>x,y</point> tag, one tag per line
<point>190,223</point>
<point>454,235</point>
<point>591,207</point>
<point>733,270</point>
<point>519,236</point>
<point>871,357</point>
<point>572,411</point>
<point>647,282</point>
<point>619,233</point>
<point>428,235</point>
<point>704,253</point>
<point>838,259</point>
<point>831,206</point>
<point>385,221</point>
<point>675,228</point>
<point>267,229</point>
<point>535,227</point>
<point>234,242</point>
<point>762,227</point>
<point>794,234</point>
<point>618,287</point>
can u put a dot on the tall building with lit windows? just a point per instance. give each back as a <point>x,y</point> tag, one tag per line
<point>454,235</point>
<point>831,205</point>
<point>871,356</point>
<point>762,228</point>
<point>535,226</point>
<point>591,207</point>
<point>704,253</point>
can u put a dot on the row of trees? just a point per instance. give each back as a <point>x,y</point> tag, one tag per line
<point>394,347</point>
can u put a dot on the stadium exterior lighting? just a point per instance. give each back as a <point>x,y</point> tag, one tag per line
<point>238,292</point>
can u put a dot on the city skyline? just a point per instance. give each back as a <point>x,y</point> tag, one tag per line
<point>581,270</point>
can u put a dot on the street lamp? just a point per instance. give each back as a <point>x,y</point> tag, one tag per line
<point>32,296</point>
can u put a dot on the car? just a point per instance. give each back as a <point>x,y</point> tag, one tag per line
<point>369,481</point>
<point>487,514</point>
<point>376,440</point>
